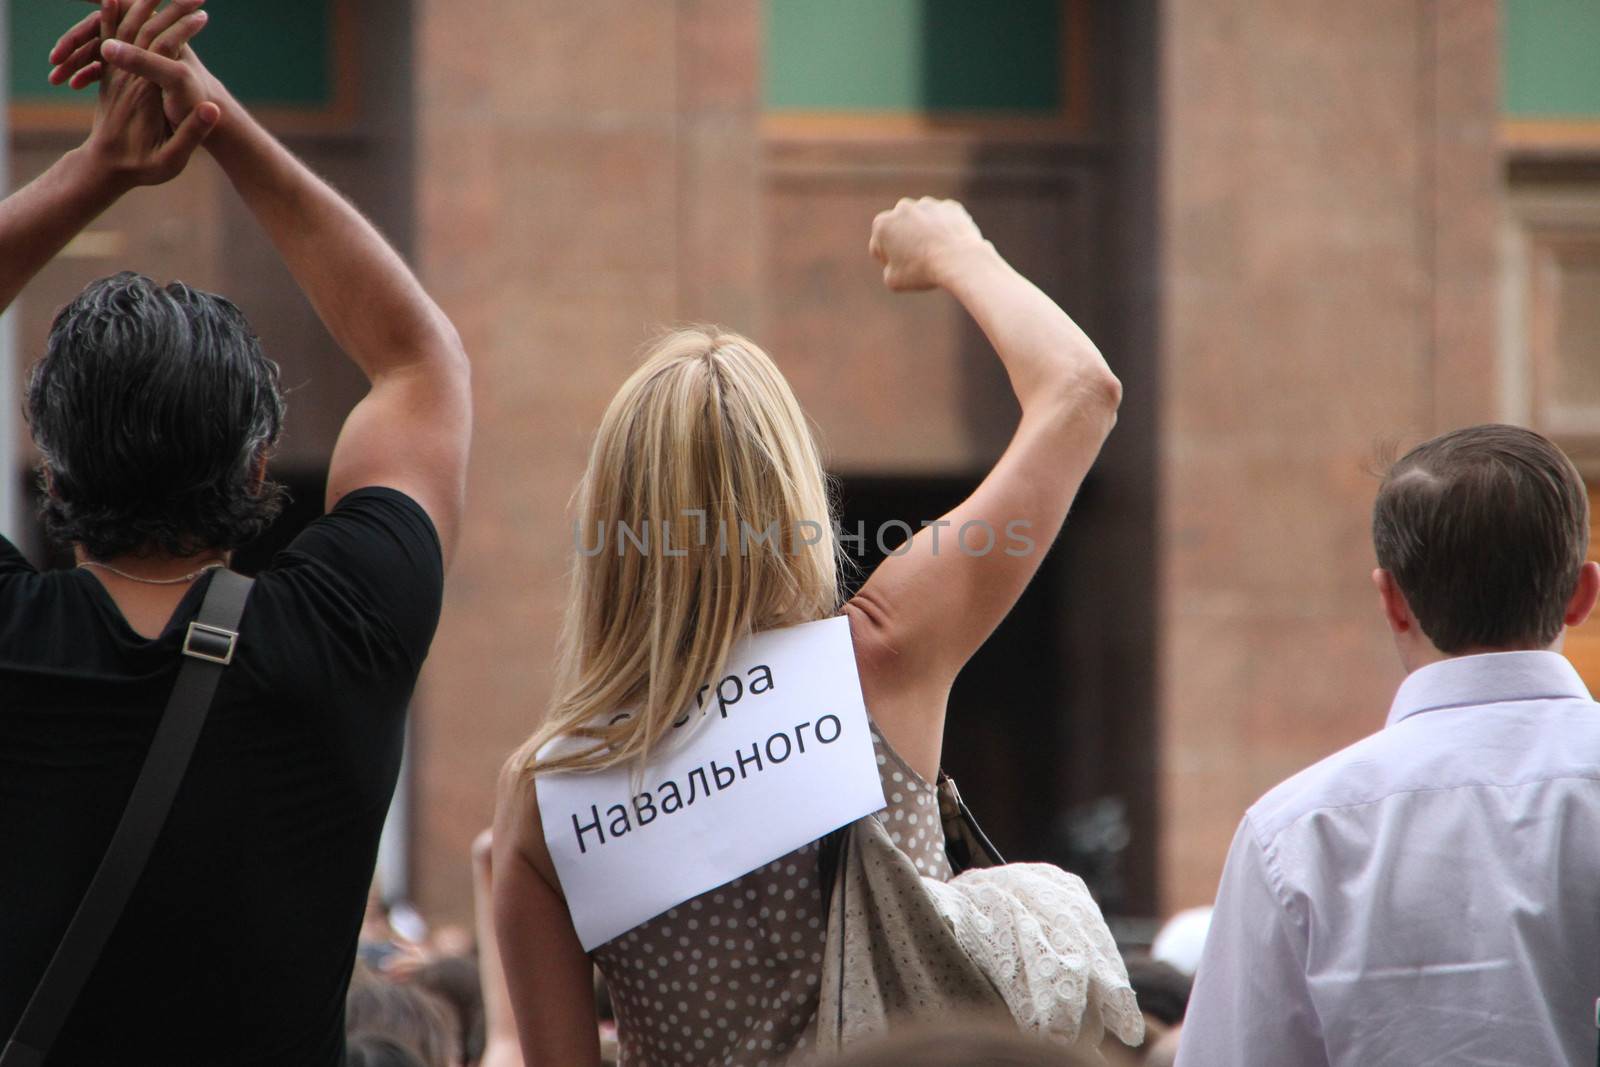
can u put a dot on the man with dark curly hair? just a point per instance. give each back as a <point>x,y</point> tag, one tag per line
<point>155,412</point>
<point>192,405</point>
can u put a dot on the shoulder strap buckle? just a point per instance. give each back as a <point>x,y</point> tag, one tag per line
<point>210,643</point>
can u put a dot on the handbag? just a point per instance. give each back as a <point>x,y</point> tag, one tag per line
<point>889,952</point>
<point>1021,942</point>
<point>209,646</point>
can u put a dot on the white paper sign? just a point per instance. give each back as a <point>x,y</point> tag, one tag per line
<point>774,755</point>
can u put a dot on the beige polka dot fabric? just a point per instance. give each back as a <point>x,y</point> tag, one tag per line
<point>731,976</point>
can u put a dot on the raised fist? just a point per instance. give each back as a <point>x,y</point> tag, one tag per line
<point>916,239</point>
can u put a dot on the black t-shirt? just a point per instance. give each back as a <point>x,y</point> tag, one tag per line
<point>236,946</point>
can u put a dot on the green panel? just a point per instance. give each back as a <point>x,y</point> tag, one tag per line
<point>1552,58</point>
<point>914,55</point>
<point>273,52</point>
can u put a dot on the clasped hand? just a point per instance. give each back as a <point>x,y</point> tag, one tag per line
<point>157,102</point>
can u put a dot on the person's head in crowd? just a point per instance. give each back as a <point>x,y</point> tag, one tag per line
<point>1163,994</point>
<point>974,1043</point>
<point>455,981</point>
<point>376,1050</point>
<point>1162,989</point>
<point>389,942</point>
<point>708,491</point>
<point>1182,939</point>
<point>1481,537</point>
<point>154,411</point>
<point>416,1018</point>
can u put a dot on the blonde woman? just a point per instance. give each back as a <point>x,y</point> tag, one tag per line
<point>708,423</point>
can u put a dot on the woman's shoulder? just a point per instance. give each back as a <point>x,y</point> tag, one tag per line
<point>517,817</point>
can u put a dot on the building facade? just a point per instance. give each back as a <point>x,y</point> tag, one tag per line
<point>1302,233</point>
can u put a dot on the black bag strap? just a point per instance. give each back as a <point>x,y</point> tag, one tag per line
<point>965,843</point>
<point>209,647</point>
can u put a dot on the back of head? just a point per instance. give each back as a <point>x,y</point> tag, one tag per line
<point>376,1050</point>
<point>416,1019</point>
<point>154,410</point>
<point>1162,989</point>
<point>455,981</point>
<point>977,1043</point>
<point>703,516</point>
<point>1485,531</point>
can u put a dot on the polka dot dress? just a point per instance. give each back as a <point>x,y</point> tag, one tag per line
<point>731,977</point>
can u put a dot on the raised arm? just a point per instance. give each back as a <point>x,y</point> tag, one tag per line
<point>130,144</point>
<point>411,431</point>
<point>923,613</point>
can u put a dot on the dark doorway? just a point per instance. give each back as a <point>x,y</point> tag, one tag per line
<point>1043,759</point>
<point>1005,730</point>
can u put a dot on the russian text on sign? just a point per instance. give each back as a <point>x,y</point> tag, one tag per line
<point>773,755</point>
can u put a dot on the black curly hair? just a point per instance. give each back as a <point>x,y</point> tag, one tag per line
<point>154,410</point>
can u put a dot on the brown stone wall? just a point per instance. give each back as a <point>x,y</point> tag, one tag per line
<point>586,174</point>
<point>1330,204</point>
<point>906,384</point>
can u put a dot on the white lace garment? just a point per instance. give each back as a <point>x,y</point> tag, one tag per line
<point>1039,936</point>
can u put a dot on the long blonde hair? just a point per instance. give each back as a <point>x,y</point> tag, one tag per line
<point>705,450</point>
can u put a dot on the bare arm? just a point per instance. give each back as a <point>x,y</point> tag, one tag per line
<point>499,1024</point>
<point>549,976</point>
<point>411,431</point>
<point>38,220</point>
<point>923,613</point>
<point>129,145</point>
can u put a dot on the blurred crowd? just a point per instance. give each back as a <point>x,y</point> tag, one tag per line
<point>426,995</point>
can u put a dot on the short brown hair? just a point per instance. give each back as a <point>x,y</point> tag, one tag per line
<point>1484,530</point>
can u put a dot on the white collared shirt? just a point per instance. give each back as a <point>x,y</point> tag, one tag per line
<point>1429,895</point>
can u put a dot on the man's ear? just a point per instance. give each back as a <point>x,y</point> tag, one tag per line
<point>1584,595</point>
<point>1396,612</point>
<point>48,479</point>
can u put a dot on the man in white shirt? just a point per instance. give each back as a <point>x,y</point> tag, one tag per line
<point>1431,894</point>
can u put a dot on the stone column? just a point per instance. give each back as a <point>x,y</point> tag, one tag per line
<point>1329,204</point>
